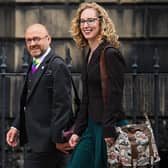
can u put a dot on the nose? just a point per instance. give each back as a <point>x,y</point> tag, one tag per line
<point>32,42</point>
<point>85,24</point>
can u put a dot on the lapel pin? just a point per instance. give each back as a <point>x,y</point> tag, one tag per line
<point>42,67</point>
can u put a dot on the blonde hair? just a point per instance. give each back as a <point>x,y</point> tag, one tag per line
<point>108,31</point>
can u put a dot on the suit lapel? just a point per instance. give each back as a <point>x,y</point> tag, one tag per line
<point>39,73</point>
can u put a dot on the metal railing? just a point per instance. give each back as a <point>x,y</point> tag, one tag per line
<point>142,92</point>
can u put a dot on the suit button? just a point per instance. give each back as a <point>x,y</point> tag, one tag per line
<point>24,108</point>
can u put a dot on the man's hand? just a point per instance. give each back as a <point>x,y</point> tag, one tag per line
<point>64,147</point>
<point>12,137</point>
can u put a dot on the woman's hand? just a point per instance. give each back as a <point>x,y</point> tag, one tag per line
<point>109,141</point>
<point>73,141</point>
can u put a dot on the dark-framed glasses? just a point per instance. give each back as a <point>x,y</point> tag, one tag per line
<point>89,21</point>
<point>35,39</point>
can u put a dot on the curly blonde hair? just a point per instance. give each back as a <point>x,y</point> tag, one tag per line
<point>108,31</point>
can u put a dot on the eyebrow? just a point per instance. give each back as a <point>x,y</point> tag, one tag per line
<point>89,18</point>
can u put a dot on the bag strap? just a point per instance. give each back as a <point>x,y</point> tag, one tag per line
<point>76,99</point>
<point>103,73</point>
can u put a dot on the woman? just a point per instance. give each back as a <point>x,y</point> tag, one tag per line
<point>95,125</point>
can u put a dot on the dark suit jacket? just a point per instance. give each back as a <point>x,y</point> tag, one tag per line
<point>45,109</point>
<point>92,101</point>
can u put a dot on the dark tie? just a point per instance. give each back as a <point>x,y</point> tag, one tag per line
<point>34,66</point>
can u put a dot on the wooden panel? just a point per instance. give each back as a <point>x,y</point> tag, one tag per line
<point>57,20</point>
<point>144,1</point>
<point>25,17</point>
<point>7,24</point>
<point>48,1</point>
<point>129,21</point>
<point>158,22</point>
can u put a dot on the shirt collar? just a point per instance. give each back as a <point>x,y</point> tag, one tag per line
<point>40,59</point>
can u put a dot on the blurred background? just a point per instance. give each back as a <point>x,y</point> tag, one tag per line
<point>142,26</point>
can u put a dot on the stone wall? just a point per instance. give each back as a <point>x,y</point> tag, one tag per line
<point>141,24</point>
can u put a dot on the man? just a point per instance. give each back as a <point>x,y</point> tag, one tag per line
<point>45,106</point>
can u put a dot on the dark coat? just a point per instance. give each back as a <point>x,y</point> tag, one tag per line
<point>45,107</point>
<point>92,101</point>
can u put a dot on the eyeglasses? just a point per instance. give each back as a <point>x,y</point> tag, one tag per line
<point>35,39</point>
<point>89,21</point>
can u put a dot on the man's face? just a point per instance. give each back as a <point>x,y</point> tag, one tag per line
<point>37,41</point>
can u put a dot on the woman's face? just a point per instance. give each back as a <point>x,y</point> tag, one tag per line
<point>89,24</point>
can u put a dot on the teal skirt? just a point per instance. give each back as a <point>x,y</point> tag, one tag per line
<point>91,150</point>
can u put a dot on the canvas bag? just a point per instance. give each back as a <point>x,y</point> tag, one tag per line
<point>135,145</point>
